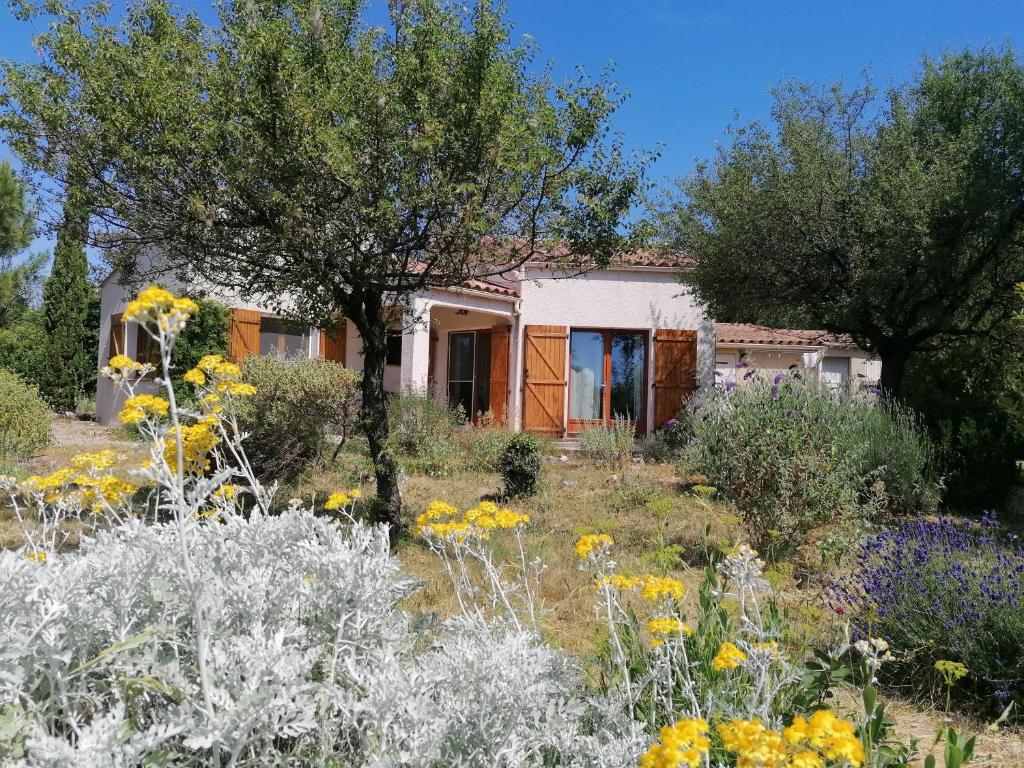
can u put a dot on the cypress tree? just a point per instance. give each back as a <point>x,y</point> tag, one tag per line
<point>66,297</point>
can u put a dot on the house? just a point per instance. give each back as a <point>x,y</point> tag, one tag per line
<point>541,348</point>
<point>833,358</point>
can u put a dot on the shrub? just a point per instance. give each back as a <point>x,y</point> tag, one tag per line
<point>483,447</point>
<point>23,347</point>
<point>944,591</point>
<point>298,403</point>
<point>609,444</point>
<point>25,421</point>
<point>792,456</point>
<point>520,465</point>
<point>424,432</point>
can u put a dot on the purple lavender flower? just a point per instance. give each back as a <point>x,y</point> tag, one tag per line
<point>775,391</point>
<point>777,378</point>
<point>873,390</point>
<point>749,373</point>
<point>730,386</point>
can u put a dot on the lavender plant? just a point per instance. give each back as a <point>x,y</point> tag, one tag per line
<point>944,591</point>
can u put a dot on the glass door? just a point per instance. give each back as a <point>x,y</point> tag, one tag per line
<point>461,367</point>
<point>607,377</point>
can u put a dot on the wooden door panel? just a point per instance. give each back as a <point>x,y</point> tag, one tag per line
<point>244,336</point>
<point>544,381</point>
<point>500,338</point>
<point>332,343</point>
<point>675,371</point>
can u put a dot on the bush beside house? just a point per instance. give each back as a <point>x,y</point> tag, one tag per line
<point>24,418</point>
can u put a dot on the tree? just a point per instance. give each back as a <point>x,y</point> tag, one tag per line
<point>16,230</point>
<point>310,159</point>
<point>896,220</point>
<point>66,302</point>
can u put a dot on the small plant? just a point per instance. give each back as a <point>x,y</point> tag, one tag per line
<point>520,465</point>
<point>609,444</point>
<point>484,446</point>
<point>24,418</point>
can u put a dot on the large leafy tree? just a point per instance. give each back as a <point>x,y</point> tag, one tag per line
<point>17,225</point>
<point>67,297</point>
<point>895,217</point>
<point>307,157</point>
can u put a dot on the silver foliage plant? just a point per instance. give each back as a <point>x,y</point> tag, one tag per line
<point>206,634</point>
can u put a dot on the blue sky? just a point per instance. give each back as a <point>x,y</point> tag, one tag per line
<point>690,65</point>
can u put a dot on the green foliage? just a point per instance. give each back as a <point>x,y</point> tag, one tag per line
<point>205,334</point>
<point>24,418</point>
<point>520,465</point>
<point>609,444</point>
<point>793,456</point>
<point>900,211</point>
<point>297,404</point>
<point>66,298</point>
<point>423,433</point>
<point>483,447</point>
<point>23,346</point>
<point>16,221</point>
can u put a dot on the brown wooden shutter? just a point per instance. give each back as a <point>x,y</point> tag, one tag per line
<point>544,357</point>
<point>332,344</point>
<point>244,336</point>
<point>499,373</point>
<point>116,345</point>
<point>675,371</point>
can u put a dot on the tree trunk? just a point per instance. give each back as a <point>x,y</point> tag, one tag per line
<point>894,364</point>
<point>373,328</point>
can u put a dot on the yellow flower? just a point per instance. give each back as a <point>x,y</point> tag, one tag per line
<point>836,739</point>
<point>754,744</point>
<point>591,542</point>
<point>659,587</point>
<point>226,492</point>
<point>621,582</point>
<point>683,744</point>
<point>728,657</point>
<point>140,407</point>
<point>195,376</point>
<point>668,625</point>
<point>337,500</point>
<point>162,308</point>
<point>36,557</point>
<point>235,388</point>
<point>95,462</point>
<point>197,441</point>
<point>951,671</point>
<point>355,493</point>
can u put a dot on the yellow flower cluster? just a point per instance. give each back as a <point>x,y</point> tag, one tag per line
<point>668,625</point>
<point>728,657</point>
<point>619,581</point>
<point>340,499</point>
<point>121,367</point>
<point>835,738</point>
<point>197,440</point>
<point>36,557</point>
<point>662,587</point>
<point>140,407</point>
<point>683,744</point>
<point>951,671</point>
<point>223,377</point>
<point>754,744</point>
<point>82,484</point>
<point>592,542</point>
<point>161,307</point>
<point>443,521</point>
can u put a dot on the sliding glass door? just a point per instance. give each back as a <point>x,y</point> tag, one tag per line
<point>469,372</point>
<point>607,377</point>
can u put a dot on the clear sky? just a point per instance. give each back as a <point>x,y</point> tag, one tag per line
<point>690,65</point>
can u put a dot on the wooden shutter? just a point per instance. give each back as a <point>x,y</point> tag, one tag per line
<point>499,373</point>
<point>332,343</point>
<point>544,357</point>
<point>675,371</point>
<point>244,336</point>
<point>116,345</point>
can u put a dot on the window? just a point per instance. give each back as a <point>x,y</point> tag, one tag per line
<point>282,338</point>
<point>725,367</point>
<point>116,343</point>
<point>147,349</point>
<point>607,375</point>
<point>393,355</point>
<point>835,372</point>
<point>469,372</point>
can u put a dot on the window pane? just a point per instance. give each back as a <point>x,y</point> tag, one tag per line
<point>628,363</point>
<point>460,358</point>
<point>393,355</point>
<point>460,393</point>
<point>586,377</point>
<point>483,373</point>
<point>280,338</point>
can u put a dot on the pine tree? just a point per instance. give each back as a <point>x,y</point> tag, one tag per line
<point>66,297</point>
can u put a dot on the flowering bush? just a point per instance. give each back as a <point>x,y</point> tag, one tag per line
<point>217,634</point>
<point>793,455</point>
<point>944,593</point>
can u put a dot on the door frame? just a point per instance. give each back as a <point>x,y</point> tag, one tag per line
<point>575,426</point>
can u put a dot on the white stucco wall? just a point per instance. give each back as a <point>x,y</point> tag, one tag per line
<point>864,370</point>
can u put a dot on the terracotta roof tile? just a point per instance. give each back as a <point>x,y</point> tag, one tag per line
<point>748,333</point>
<point>486,286</point>
<point>644,258</point>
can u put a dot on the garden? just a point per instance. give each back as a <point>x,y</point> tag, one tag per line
<point>767,580</point>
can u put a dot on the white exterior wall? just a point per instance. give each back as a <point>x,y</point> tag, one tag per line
<point>630,299</point>
<point>864,370</point>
